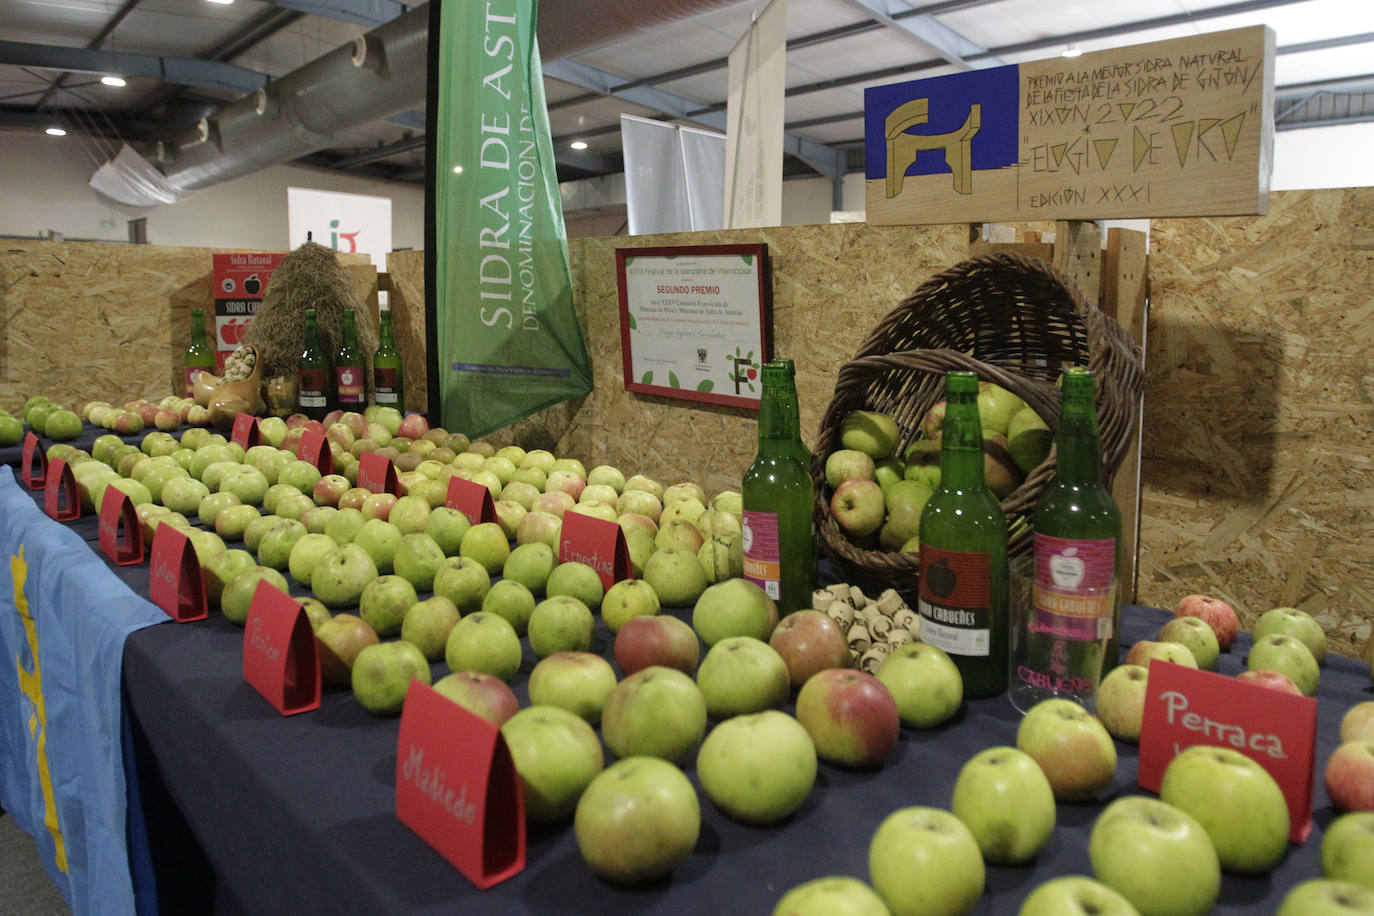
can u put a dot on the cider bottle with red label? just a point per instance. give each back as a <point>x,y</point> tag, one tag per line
<point>313,372</point>
<point>963,540</point>
<point>778,497</point>
<point>388,375</point>
<point>199,355</point>
<point>350,368</point>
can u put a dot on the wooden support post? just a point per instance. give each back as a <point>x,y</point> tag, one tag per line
<point>1076,252</point>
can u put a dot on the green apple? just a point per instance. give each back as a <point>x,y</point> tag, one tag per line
<point>487,544</point>
<point>676,576</point>
<point>237,596</point>
<point>207,455</point>
<point>1120,699</point>
<point>379,539</point>
<point>656,711</point>
<point>741,675</point>
<point>577,580</point>
<point>341,575</point>
<point>294,505</point>
<point>299,474</point>
<point>417,559</point>
<point>306,554</point>
<point>274,549</point>
<point>206,544</point>
<point>1199,638</point>
<point>576,681</point>
<point>625,599</point>
<point>343,526</point>
<point>530,565</point>
<point>561,623</point>
<point>1075,895</point>
<point>1235,800</point>
<point>735,607</point>
<point>1071,746</point>
<point>511,600</point>
<point>427,626</point>
<point>464,582</point>
<point>275,494</point>
<point>447,526</point>
<point>221,570</point>
<point>925,683</point>
<point>382,674</point>
<point>848,464</point>
<point>484,642</point>
<point>410,514</point>
<point>1292,622</point>
<point>556,754</point>
<point>233,521</point>
<point>637,820</point>
<point>925,861</point>
<point>384,602</point>
<point>1321,897</point>
<point>996,407</point>
<point>906,501</point>
<point>315,611</point>
<point>257,530</point>
<point>647,484</point>
<point>757,768</point>
<point>1348,848</point>
<point>1006,802</point>
<point>1286,655</point>
<point>1156,856</point>
<point>1028,439</point>
<point>722,557</point>
<point>833,895</point>
<point>183,494</point>
<point>875,434</point>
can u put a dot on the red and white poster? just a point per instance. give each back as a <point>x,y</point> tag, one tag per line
<point>240,280</point>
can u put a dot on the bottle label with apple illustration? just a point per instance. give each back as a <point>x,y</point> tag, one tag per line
<point>1074,587</point>
<point>763,552</point>
<point>350,384</point>
<point>956,600</point>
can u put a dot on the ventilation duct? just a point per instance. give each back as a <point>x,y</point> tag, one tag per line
<point>376,75</point>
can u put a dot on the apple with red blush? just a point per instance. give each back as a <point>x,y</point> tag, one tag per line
<point>484,695</point>
<point>413,426</point>
<point>329,489</point>
<point>1220,616</point>
<point>1350,776</point>
<point>378,505</point>
<point>1274,680</point>
<point>810,642</point>
<point>661,640</point>
<point>850,715</point>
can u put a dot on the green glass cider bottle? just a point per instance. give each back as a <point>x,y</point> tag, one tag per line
<point>388,376</point>
<point>198,355</point>
<point>1077,551</point>
<point>963,602</point>
<point>778,497</point>
<point>313,372</point>
<point>350,368</point>
<point>794,414</point>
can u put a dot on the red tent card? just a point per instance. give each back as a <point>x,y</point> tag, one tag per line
<point>377,473</point>
<point>1184,707</point>
<point>117,512</point>
<point>471,499</point>
<point>315,449</point>
<point>61,499</point>
<point>598,543</point>
<point>457,788</point>
<point>175,581</point>
<point>245,430</point>
<point>35,466</point>
<point>279,654</point>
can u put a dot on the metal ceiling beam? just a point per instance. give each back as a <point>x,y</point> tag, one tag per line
<point>183,71</point>
<point>93,121</point>
<point>817,155</point>
<point>105,32</point>
<point>926,31</point>
<point>370,13</point>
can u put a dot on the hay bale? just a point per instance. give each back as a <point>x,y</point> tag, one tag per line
<point>310,277</point>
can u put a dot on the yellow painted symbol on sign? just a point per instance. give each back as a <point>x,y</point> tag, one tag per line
<point>902,147</point>
<point>1230,132</point>
<point>1058,152</point>
<point>1104,150</point>
<point>1183,136</point>
<point>1126,109</point>
<point>31,686</point>
<point>1142,149</point>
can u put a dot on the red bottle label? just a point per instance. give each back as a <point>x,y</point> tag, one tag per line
<point>956,600</point>
<point>312,388</point>
<point>1074,587</point>
<point>762,552</point>
<point>384,385</point>
<point>190,371</point>
<point>351,387</point>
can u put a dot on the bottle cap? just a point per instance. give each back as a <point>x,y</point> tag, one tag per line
<point>1078,381</point>
<point>775,373</point>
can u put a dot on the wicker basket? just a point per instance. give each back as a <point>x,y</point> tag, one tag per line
<point>1015,321</point>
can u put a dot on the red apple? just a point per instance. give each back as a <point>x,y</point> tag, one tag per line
<point>378,505</point>
<point>1350,776</point>
<point>332,417</point>
<point>1274,680</point>
<point>1220,616</point>
<point>315,426</point>
<point>481,694</point>
<point>356,423</point>
<point>196,415</point>
<point>339,435</point>
<point>167,420</point>
<point>353,498</point>
<point>291,442</point>
<point>339,640</point>
<point>296,421</point>
<point>657,640</point>
<point>329,489</point>
<point>148,411</point>
<point>554,503</point>
<point>1144,650</point>
<point>413,426</point>
<point>809,642</point>
<point>850,716</point>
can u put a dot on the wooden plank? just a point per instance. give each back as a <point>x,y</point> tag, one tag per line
<point>1124,276</point>
<point>1168,128</point>
<point>1077,252</point>
<point>1041,250</point>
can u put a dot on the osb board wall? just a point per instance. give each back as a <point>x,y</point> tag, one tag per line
<point>89,321</point>
<point>831,285</point>
<point>1259,410</point>
<point>406,270</point>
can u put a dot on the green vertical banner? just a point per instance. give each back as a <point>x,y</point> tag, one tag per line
<point>504,340</point>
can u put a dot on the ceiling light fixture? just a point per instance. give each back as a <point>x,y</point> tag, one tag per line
<point>220,2</point>
<point>55,132</point>
<point>578,144</point>
<point>1071,51</point>
<point>116,81</point>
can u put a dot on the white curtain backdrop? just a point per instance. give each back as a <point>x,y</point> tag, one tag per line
<point>754,122</point>
<point>674,176</point>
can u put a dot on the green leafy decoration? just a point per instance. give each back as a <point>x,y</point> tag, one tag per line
<point>648,378</point>
<point>747,259</point>
<point>629,259</point>
<point>633,325</point>
<point>672,380</point>
<point>706,385</point>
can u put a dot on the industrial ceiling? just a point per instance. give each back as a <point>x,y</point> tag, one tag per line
<point>194,69</point>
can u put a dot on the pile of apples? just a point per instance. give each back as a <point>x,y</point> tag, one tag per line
<point>44,416</point>
<point>877,497</point>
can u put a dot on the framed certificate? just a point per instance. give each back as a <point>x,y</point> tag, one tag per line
<point>696,321</point>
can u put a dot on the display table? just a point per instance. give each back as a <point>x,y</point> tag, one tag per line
<point>297,814</point>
